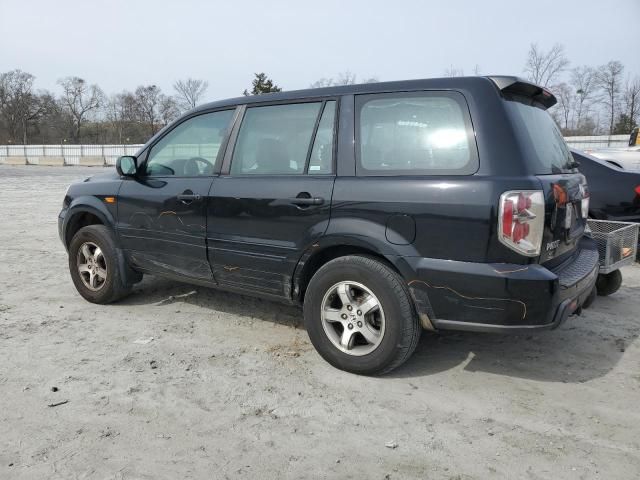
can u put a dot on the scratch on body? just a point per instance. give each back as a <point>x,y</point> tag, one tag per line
<point>524,306</point>
<point>502,272</point>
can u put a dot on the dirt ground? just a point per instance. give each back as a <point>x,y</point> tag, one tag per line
<point>230,387</point>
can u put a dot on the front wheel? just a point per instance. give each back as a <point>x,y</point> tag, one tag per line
<point>359,315</point>
<point>95,267</point>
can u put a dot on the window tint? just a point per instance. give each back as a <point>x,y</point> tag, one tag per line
<point>191,148</point>
<point>426,133</point>
<point>546,148</point>
<point>275,139</point>
<point>321,160</point>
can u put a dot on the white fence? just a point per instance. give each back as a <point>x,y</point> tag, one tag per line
<point>70,153</point>
<point>598,141</point>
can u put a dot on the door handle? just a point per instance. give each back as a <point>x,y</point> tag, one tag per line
<point>307,201</point>
<point>188,198</point>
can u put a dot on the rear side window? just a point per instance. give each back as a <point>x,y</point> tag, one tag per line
<point>275,139</point>
<point>321,160</point>
<point>421,133</point>
<point>543,144</point>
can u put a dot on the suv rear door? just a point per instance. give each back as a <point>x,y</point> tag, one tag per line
<point>549,159</point>
<point>273,197</point>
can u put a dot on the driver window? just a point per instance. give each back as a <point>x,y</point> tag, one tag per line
<point>190,149</point>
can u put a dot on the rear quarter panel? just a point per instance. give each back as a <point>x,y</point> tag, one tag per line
<point>455,217</point>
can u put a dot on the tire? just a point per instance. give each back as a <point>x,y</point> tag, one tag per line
<point>105,290</point>
<point>609,283</point>
<point>379,340</point>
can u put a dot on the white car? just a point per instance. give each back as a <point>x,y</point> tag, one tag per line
<point>627,158</point>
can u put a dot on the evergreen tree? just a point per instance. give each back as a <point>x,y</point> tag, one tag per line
<point>262,84</point>
<point>625,125</point>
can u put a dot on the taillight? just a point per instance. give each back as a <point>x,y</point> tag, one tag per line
<point>637,190</point>
<point>521,221</point>
<point>560,195</point>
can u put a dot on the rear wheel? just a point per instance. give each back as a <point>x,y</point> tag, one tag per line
<point>359,315</point>
<point>609,283</point>
<point>95,267</point>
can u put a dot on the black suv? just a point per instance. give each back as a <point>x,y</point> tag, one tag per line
<point>382,209</point>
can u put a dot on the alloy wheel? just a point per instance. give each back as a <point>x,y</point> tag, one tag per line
<point>92,266</point>
<point>352,318</point>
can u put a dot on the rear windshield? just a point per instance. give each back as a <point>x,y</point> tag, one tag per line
<point>543,144</point>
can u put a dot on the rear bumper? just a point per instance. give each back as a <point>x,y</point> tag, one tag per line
<point>501,297</point>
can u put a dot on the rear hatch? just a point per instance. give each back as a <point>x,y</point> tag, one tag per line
<point>549,159</point>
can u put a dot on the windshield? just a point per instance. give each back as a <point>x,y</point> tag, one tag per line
<point>542,139</point>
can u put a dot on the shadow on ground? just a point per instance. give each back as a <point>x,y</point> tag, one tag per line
<point>582,349</point>
<point>159,291</point>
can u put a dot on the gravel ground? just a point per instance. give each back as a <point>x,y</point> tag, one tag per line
<point>230,387</point>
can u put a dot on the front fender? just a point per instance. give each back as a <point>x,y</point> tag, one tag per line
<point>81,205</point>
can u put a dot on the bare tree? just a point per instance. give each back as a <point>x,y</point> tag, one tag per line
<point>608,79</point>
<point>346,78</point>
<point>189,92</point>
<point>148,99</point>
<point>343,78</point>
<point>154,108</point>
<point>543,68</point>
<point>453,72</point>
<point>120,111</point>
<point>323,82</point>
<point>583,82</point>
<point>79,99</point>
<point>114,115</point>
<point>169,110</point>
<point>588,126</point>
<point>566,100</point>
<point>476,70</point>
<point>631,98</point>
<point>45,116</point>
<point>19,104</point>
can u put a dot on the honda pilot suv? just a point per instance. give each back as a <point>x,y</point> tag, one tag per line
<point>382,209</point>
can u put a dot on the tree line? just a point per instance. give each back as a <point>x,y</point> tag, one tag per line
<point>592,100</point>
<point>82,112</point>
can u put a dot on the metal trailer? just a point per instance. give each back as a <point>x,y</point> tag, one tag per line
<point>617,247</point>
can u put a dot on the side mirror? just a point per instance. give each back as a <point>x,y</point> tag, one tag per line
<point>127,166</point>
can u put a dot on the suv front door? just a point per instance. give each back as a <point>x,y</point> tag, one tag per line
<point>273,198</point>
<point>162,212</point>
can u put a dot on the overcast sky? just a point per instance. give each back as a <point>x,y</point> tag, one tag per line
<point>121,44</point>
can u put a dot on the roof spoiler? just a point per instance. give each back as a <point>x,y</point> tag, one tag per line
<point>518,86</point>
